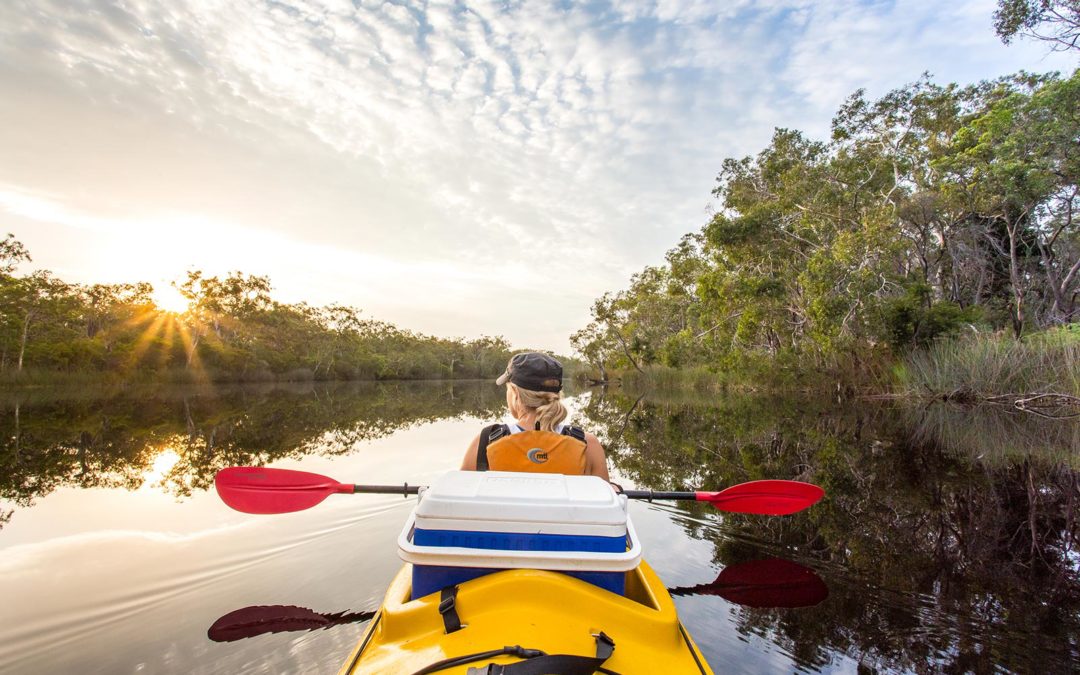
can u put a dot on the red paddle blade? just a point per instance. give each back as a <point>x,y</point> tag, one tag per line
<point>263,490</point>
<point>765,497</point>
<point>769,583</point>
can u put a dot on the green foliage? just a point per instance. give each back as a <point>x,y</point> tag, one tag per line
<point>1054,21</point>
<point>915,320</point>
<point>931,208</point>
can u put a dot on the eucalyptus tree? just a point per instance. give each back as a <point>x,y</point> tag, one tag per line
<point>929,210</point>
<point>1053,21</point>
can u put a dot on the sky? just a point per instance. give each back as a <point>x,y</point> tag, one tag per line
<point>458,169</point>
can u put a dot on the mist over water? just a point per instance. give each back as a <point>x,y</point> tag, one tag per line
<point>948,540</point>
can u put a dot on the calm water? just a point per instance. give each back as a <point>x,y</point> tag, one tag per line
<point>949,539</point>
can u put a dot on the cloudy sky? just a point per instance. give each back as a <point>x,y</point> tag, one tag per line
<point>457,169</point>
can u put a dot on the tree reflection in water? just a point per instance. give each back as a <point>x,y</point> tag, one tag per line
<point>113,441</point>
<point>949,537</point>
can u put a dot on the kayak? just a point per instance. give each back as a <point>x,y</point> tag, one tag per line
<point>537,610</point>
<point>525,574</point>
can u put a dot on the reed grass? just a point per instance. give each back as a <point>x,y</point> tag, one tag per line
<point>983,366</point>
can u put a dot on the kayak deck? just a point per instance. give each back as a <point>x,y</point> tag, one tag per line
<point>536,610</point>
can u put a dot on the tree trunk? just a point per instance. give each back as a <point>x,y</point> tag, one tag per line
<point>17,433</point>
<point>22,342</point>
<point>192,350</point>
<point>626,351</point>
<point>1014,280</point>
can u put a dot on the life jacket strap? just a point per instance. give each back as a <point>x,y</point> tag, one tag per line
<point>489,435</point>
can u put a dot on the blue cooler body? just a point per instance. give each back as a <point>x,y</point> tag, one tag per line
<point>469,524</point>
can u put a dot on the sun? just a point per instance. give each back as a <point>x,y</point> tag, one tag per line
<point>170,300</point>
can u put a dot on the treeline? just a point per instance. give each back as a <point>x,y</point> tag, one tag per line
<point>232,330</point>
<point>932,211</point>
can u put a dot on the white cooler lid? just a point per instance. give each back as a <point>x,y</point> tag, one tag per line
<point>509,497</point>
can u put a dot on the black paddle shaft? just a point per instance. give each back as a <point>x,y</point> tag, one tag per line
<point>404,489</point>
<point>650,495</point>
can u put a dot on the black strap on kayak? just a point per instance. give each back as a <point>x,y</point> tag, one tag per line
<point>448,609</point>
<point>535,661</point>
<point>556,664</point>
<point>515,650</point>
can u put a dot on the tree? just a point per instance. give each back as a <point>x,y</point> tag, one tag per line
<point>12,252</point>
<point>1053,21</point>
<point>42,305</point>
<point>930,209</point>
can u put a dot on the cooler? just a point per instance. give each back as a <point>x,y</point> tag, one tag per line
<point>472,523</point>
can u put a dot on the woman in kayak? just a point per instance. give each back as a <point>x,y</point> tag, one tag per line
<point>535,439</point>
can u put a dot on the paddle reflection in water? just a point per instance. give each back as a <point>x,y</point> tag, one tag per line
<point>773,582</point>
<point>759,583</point>
<point>248,622</point>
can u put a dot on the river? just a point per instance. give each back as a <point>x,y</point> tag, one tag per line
<point>949,538</point>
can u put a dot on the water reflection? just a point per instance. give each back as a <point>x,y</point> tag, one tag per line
<point>248,622</point>
<point>760,583</point>
<point>773,582</point>
<point>949,539</point>
<point>966,525</point>
<point>181,437</point>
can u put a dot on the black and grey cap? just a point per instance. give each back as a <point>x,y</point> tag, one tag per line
<point>533,371</point>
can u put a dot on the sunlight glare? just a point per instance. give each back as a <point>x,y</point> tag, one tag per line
<point>163,462</point>
<point>170,300</point>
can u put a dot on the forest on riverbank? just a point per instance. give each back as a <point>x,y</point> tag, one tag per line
<point>935,213</point>
<point>231,330</point>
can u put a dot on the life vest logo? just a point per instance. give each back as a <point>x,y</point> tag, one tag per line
<point>537,456</point>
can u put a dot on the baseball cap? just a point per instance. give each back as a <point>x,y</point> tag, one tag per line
<point>533,371</point>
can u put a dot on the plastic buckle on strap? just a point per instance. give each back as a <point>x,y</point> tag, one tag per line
<point>605,646</point>
<point>448,610</point>
<point>447,604</point>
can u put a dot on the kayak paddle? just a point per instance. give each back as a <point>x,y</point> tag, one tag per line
<point>759,583</point>
<point>266,490</point>
<point>255,489</point>
<point>765,497</point>
<point>773,582</point>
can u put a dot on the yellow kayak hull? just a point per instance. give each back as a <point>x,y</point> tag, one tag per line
<point>536,610</point>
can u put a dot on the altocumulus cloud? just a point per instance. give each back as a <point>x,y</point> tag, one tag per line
<point>429,161</point>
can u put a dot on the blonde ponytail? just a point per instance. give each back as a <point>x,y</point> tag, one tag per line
<point>550,411</point>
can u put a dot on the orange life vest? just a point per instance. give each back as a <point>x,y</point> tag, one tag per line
<point>532,451</point>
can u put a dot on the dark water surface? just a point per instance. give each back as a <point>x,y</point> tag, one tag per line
<point>949,539</point>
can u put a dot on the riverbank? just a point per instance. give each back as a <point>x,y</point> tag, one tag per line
<point>1042,369</point>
